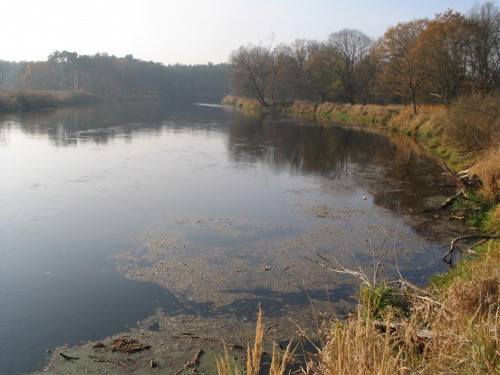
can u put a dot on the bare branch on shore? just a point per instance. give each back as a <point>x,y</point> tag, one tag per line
<point>462,238</point>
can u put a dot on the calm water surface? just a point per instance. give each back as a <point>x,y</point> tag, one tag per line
<point>79,185</point>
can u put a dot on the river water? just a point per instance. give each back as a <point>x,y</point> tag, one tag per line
<point>112,213</point>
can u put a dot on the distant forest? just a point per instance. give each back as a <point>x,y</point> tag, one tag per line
<point>111,76</point>
<point>422,61</point>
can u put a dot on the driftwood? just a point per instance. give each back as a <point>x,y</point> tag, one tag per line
<point>462,238</point>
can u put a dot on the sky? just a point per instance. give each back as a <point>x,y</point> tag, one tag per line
<point>192,31</point>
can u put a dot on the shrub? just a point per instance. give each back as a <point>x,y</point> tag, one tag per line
<point>473,124</point>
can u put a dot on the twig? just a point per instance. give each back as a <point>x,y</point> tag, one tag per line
<point>339,268</point>
<point>455,240</point>
<point>454,174</point>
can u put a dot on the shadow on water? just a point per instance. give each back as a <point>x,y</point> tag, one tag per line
<point>275,304</point>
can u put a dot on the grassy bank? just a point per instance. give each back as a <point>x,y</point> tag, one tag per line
<point>453,326</point>
<point>17,100</point>
<point>374,114</point>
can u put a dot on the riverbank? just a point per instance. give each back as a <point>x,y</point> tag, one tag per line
<point>22,100</point>
<point>453,325</point>
<point>26,100</point>
<point>466,137</point>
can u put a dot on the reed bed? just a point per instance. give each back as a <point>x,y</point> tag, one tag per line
<point>32,99</point>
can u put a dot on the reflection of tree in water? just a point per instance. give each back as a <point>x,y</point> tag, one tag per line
<point>101,124</point>
<point>397,171</point>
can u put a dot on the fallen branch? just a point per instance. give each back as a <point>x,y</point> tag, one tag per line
<point>444,205</point>
<point>339,268</point>
<point>192,363</point>
<point>455,240</point>
<point>67,356</point>
<point>416,289</point>
<point>420,333</point>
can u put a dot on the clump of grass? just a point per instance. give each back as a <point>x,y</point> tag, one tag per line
<point>377,299</point>
<point>279,362</point>
<point>488,169</point>
<point>428,119</point>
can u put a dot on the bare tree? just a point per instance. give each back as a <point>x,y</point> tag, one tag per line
<point>483,55</point>
<point>252,71</point>
<point>351,47</point>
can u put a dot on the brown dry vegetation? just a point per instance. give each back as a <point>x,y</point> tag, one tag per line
<point>451,328</point>
<point>456,330</point>
<point>30,99</point>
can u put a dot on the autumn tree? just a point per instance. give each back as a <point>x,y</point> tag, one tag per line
<point>66,62</point>
<point>320,70</point>
<point>442,46</point>
<point>41,75</point>
<point>402,69</point>
<point>350,48</point>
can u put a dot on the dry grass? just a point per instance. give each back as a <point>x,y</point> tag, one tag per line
<point>456,331</point>
<point>357,346</point>
<point>31,99</point>
<point>239,102</point>
<point>428,120</point>
<point>358,112</point>
<point>488,169</point>
<point>279,362</point>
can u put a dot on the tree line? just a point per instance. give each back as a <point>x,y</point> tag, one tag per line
<point>422,61</point>
<point>107,75</point>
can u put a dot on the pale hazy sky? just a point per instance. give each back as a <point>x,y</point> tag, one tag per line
<point>191,31</point>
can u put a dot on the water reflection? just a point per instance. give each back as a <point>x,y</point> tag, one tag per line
<point>234,191</point>
<point>399,173</point>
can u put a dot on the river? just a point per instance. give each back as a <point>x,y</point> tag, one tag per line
<point>115,213</point>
